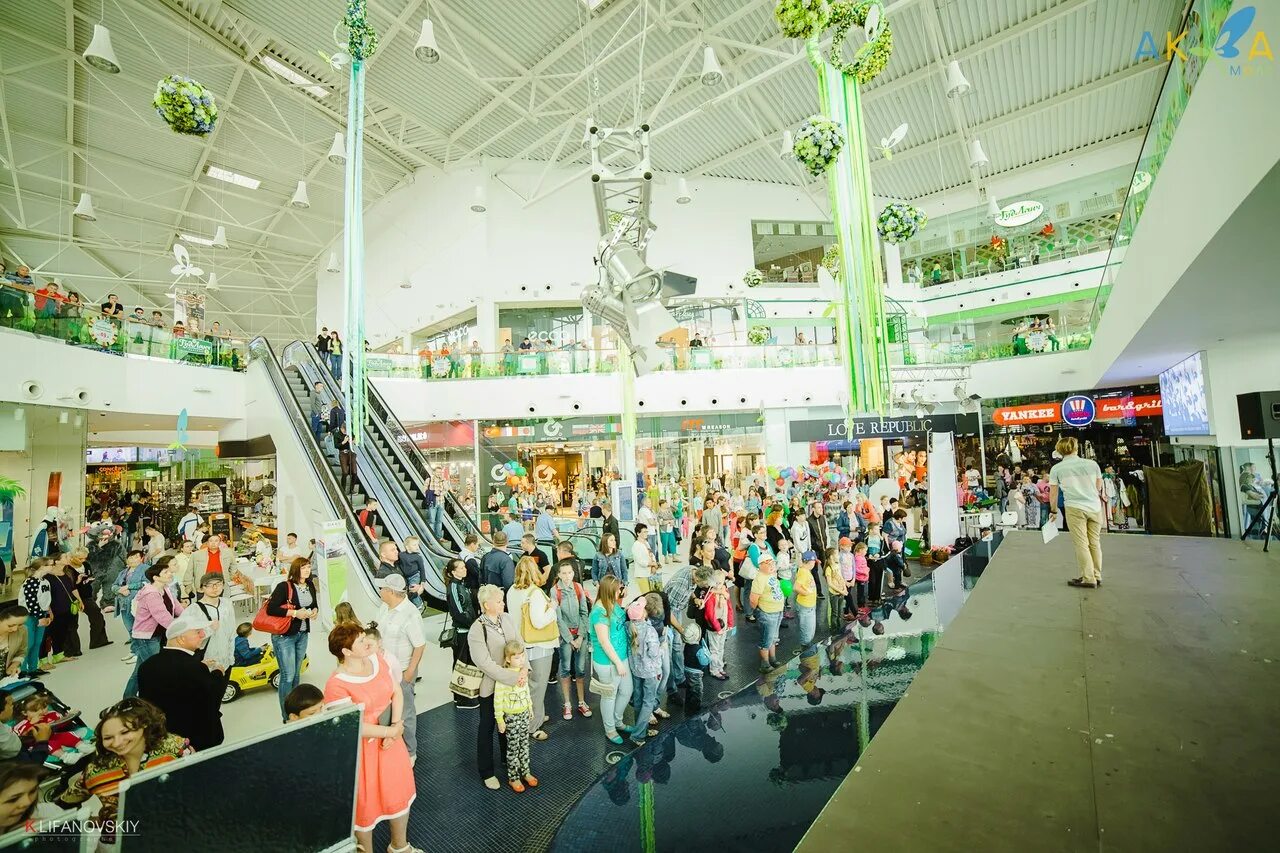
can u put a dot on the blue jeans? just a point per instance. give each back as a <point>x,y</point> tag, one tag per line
<point>747,610</point>
<point>335,366</point>
<point>435,517</point>
<point>35,637</point>
<point>142,649</point>
<point>289,654</point>
<point>808,623</point>
<point>769,625</point>
<point>612,707</point>
<point>316,428</point>
<point>574,664</point>
<point>653,546</point>
<point>126,614</point>
<point>648,690</point>
<point>677,661</point>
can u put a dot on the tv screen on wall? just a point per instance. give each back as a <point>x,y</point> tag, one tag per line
<point>1185,398</point>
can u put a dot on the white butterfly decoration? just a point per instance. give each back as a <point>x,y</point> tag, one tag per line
<point>888,142</point>
<point>184,268</point>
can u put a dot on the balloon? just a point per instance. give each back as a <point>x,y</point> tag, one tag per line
<point>513,480</point>
<point>521,471</point>
<point>773,472</point>
<point>780,481</point>
<point>510,466</point>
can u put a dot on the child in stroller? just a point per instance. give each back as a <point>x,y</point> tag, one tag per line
<point>48,730</point>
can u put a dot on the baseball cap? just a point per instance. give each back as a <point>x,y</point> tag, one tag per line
<point>635,610</point>
<point>391,582</point>
<point>845,540</point>
<point>809,556</point>
<point>191,619</point>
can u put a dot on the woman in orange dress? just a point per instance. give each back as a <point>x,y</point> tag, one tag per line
<point>385,788</point>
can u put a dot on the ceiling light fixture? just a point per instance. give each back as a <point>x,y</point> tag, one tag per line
<point>682,192</point>
<point>338,150</point>
<point>957,84</point>
<point>212,284</point>
<point>712,74</point>
<point>300,199</point>
<point>333,263</point>
<point>99,54</point>
<point>480,202</point>
<point>993,207</point>
<point>84,208</point>
<point>589,131</point>
<point>311,87</point>
<point>220,237</point>
<point>427,50</point>
<point>220,174</point>
<point>787,151</point>
<point>977,157</point>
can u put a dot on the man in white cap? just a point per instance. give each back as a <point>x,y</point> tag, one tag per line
<point>400,624</point>
<point>188,691</point>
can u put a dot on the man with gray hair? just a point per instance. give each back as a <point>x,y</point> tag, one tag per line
<point>188,691</point>
<point>400,624</point>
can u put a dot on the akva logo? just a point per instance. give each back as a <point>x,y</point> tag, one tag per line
<point>1078,411</point>
<point>1228,45</point>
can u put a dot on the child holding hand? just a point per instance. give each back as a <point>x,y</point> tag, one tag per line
<point>513,708</point>
<point>837,587</point>
<point>719,620</point>
<point>861,572</point>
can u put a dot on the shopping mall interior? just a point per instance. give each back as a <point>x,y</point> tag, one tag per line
<point>508,423</point>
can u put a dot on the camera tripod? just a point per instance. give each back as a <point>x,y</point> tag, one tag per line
<point>1269,504</point>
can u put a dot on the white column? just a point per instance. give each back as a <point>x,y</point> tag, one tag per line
<point>892,264</point>
<point>944,514</point>
<point>487,327</point>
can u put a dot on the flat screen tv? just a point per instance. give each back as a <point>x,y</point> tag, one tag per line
<point>1185,397</point>
<point>110,455</point>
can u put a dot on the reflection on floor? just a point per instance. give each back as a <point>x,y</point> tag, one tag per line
<point>1138,716</point>
<point>757,768</point>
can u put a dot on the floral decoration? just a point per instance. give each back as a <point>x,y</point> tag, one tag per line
<point>818,144</point>
<point>831,260</point>
<point>362,40</point>
<point>873,56</point>
<point>759,335</point>
<point>899,222</point>
<point>753,278</point>
<point>802,19</point>
<point>185,105</point>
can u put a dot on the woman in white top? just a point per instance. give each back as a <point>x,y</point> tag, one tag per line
<point>542,620</point>
<point>641,558</point>
<point>649,519</point>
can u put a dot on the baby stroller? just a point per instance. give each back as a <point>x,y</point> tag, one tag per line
<point>69,728</point>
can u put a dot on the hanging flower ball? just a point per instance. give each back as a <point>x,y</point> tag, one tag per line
<point>753,278</point>
<point>802,19</point>
<point>818,144</point>
<point>758,335</point>
<point>874,54</point>
<point>362,40</point>
<point>899,222</point>
<point>185,105</point>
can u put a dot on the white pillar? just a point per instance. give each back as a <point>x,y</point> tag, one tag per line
<point>892,264</point>
<point>487,327</point>
<point>944,514</point>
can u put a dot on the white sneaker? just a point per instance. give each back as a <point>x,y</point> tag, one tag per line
<point>130,659</point>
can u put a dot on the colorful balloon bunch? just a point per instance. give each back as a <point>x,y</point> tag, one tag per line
<point>514,472</point>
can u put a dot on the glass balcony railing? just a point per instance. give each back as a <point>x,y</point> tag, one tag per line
<point>564,362</point>
<point>84,326</point>
<point>1202,25</point>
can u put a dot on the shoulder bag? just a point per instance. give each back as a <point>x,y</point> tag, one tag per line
<point>268,624</point>
<point>448,635</point>
<point>531,634</point>
<point>466,678</point>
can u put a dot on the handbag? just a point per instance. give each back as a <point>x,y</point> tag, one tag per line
<point>276,625</point>
<point>601,688</point>
<point>448,635</point>
<point>531,634</point>
<point>704,656</point>
<point>465,680</point>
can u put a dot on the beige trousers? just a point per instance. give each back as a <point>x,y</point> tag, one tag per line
<point>1086,535</point>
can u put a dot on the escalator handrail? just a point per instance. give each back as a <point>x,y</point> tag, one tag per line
<point>414,518</point>
<point>422,467</point>
<point>400,522</point>
<point>362,552</point>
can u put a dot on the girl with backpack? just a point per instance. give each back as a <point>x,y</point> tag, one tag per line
<point>573,609</point>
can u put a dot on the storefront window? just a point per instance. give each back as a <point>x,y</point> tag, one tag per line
<point>460,335</point>
<point>791,252</point>
<point>558,327</point>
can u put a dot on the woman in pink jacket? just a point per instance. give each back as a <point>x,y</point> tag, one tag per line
<point>154,611</point>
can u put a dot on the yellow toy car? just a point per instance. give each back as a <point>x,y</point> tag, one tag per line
<point>264,672</point>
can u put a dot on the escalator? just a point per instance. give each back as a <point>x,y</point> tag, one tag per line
<point>328,499</point>
<point>401,517</point>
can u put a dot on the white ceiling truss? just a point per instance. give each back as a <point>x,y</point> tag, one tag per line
<point>516,82</point>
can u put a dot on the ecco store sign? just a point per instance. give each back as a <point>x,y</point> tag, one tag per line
<point>1019,213</point>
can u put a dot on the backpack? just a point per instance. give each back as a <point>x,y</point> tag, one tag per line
<point>577,589</point>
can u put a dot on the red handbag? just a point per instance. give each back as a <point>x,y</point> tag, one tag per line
<point>268,624</point>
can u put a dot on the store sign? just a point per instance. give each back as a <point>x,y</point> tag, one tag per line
<point>870,428</point>
<point>595,429</point>
<point>1123,408</point>
<point>1037,413</point>
<point>1078,411</point>
<point>1019,213</point>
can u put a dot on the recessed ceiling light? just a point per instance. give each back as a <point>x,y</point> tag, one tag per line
<point>406,286</point>
<point>311,87</point>
<point>220,174</point>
